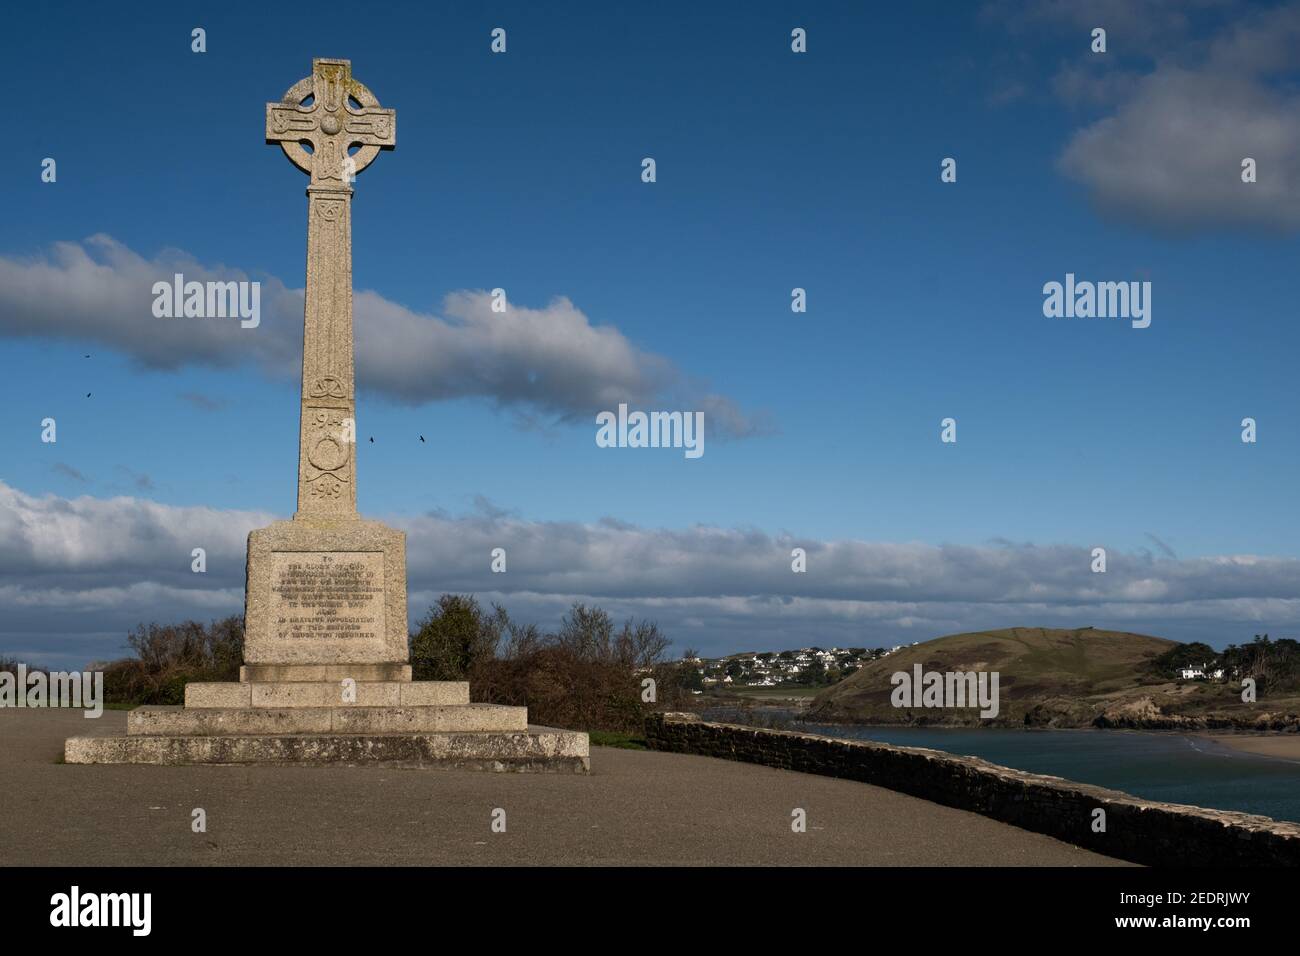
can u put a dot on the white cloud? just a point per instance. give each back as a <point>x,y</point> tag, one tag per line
<point>1169,153</point>
<point>547,362</point>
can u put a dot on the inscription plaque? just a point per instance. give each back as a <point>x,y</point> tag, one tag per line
<point>332,595</point>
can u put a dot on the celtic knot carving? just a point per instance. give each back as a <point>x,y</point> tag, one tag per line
<point>327,387</point>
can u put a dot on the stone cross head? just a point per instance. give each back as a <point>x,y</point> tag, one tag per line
<point>331,112</point>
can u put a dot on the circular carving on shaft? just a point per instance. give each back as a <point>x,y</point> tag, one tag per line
<point>328,455</point>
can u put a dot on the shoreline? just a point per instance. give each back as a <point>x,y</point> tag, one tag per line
<point>1277,746</point>
<point>1271,744</point>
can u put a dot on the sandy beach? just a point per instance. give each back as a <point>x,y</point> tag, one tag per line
<point>1282,746</point>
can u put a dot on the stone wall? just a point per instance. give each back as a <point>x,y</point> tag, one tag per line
<point>1162,834</point>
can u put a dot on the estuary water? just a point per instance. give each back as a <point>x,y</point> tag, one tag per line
<point>1171,767</point>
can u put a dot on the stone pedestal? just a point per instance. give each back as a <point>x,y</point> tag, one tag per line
<point>327,679</point>
<point>326,591</point>
<point>311,714</point>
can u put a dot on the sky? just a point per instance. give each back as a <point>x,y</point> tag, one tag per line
<point>774,170</point>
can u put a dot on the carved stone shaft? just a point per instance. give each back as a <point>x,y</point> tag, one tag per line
<point>327,450</point>
<point>332,113</point>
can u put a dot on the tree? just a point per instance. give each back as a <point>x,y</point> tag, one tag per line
<point>690,676</point>
<point>168,656</point>
<point>1275,665</point>
<point>456,639</point>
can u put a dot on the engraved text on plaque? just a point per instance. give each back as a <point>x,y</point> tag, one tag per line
<point>335,595</point>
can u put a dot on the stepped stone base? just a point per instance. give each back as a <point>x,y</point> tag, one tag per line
<point>537,750</point>
<point>297,714</point>
<point>214,721</point>
<point>326,672</point>
<point>327,693</point>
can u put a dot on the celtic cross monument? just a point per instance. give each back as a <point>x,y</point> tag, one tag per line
<point>326,675</point>
<point>328,588</point>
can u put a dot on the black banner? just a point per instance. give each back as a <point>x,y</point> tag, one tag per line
<point>209,905</point>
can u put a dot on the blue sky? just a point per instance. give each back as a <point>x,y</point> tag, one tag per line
<point>775,170</point>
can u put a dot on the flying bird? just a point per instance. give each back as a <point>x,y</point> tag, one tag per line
<point>422,439</point>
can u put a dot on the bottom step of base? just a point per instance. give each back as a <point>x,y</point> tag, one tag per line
<point>540,749</point>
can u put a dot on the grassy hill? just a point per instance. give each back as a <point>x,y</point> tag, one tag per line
<point>1048,677</point>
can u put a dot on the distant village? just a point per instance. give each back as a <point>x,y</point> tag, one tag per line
<point>815,667</point>
<point>805,667</point>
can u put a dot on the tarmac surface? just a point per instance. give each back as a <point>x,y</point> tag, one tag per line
<point>636,808</point>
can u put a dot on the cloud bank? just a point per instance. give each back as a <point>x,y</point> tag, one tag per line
<point>78,572</point>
